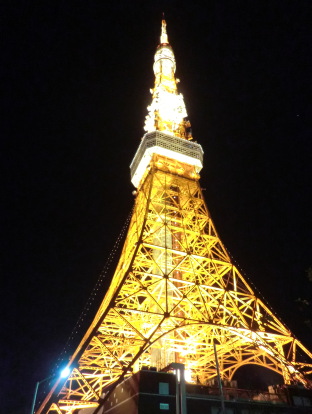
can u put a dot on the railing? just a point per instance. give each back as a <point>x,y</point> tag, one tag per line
<point>236,394</point>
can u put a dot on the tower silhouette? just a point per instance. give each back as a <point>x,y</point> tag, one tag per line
<point>176,295</point>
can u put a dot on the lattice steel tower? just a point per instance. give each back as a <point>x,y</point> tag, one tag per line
<point>175,291</point>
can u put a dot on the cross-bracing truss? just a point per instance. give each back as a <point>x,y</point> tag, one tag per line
<point>175,292</point>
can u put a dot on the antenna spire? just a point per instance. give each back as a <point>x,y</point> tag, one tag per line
<point>167,112</point>
<point>164,36</point>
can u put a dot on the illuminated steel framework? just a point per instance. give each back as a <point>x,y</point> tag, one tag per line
<point>175,291</point>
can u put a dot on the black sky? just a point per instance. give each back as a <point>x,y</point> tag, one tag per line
<point>75,83</point>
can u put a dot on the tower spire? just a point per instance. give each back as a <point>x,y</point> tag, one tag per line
<point>167,111</point>
<point>163,36</point>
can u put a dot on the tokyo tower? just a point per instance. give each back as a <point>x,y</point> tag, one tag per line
<point>176,296</point>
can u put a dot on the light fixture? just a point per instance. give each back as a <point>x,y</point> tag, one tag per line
<point>64,374</point>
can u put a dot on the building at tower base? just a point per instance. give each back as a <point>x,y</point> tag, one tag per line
<point>152,392</point>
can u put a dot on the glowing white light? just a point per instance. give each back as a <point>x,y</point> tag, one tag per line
<point>148,154</point>
<point>188,375</point>
<point>268,351</point>
<point>169,107</point>
<point>177,373</point>
<point>65,372</point>
<point>292,369</point>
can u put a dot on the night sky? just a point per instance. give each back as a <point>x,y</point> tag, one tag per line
<point>75,80</point>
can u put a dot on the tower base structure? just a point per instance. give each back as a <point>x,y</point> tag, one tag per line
<point>176,295</point>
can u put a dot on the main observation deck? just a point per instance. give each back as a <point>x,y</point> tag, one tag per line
<point>168,146</point>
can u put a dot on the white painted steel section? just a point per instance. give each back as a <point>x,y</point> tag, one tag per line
<point>159,143</point>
